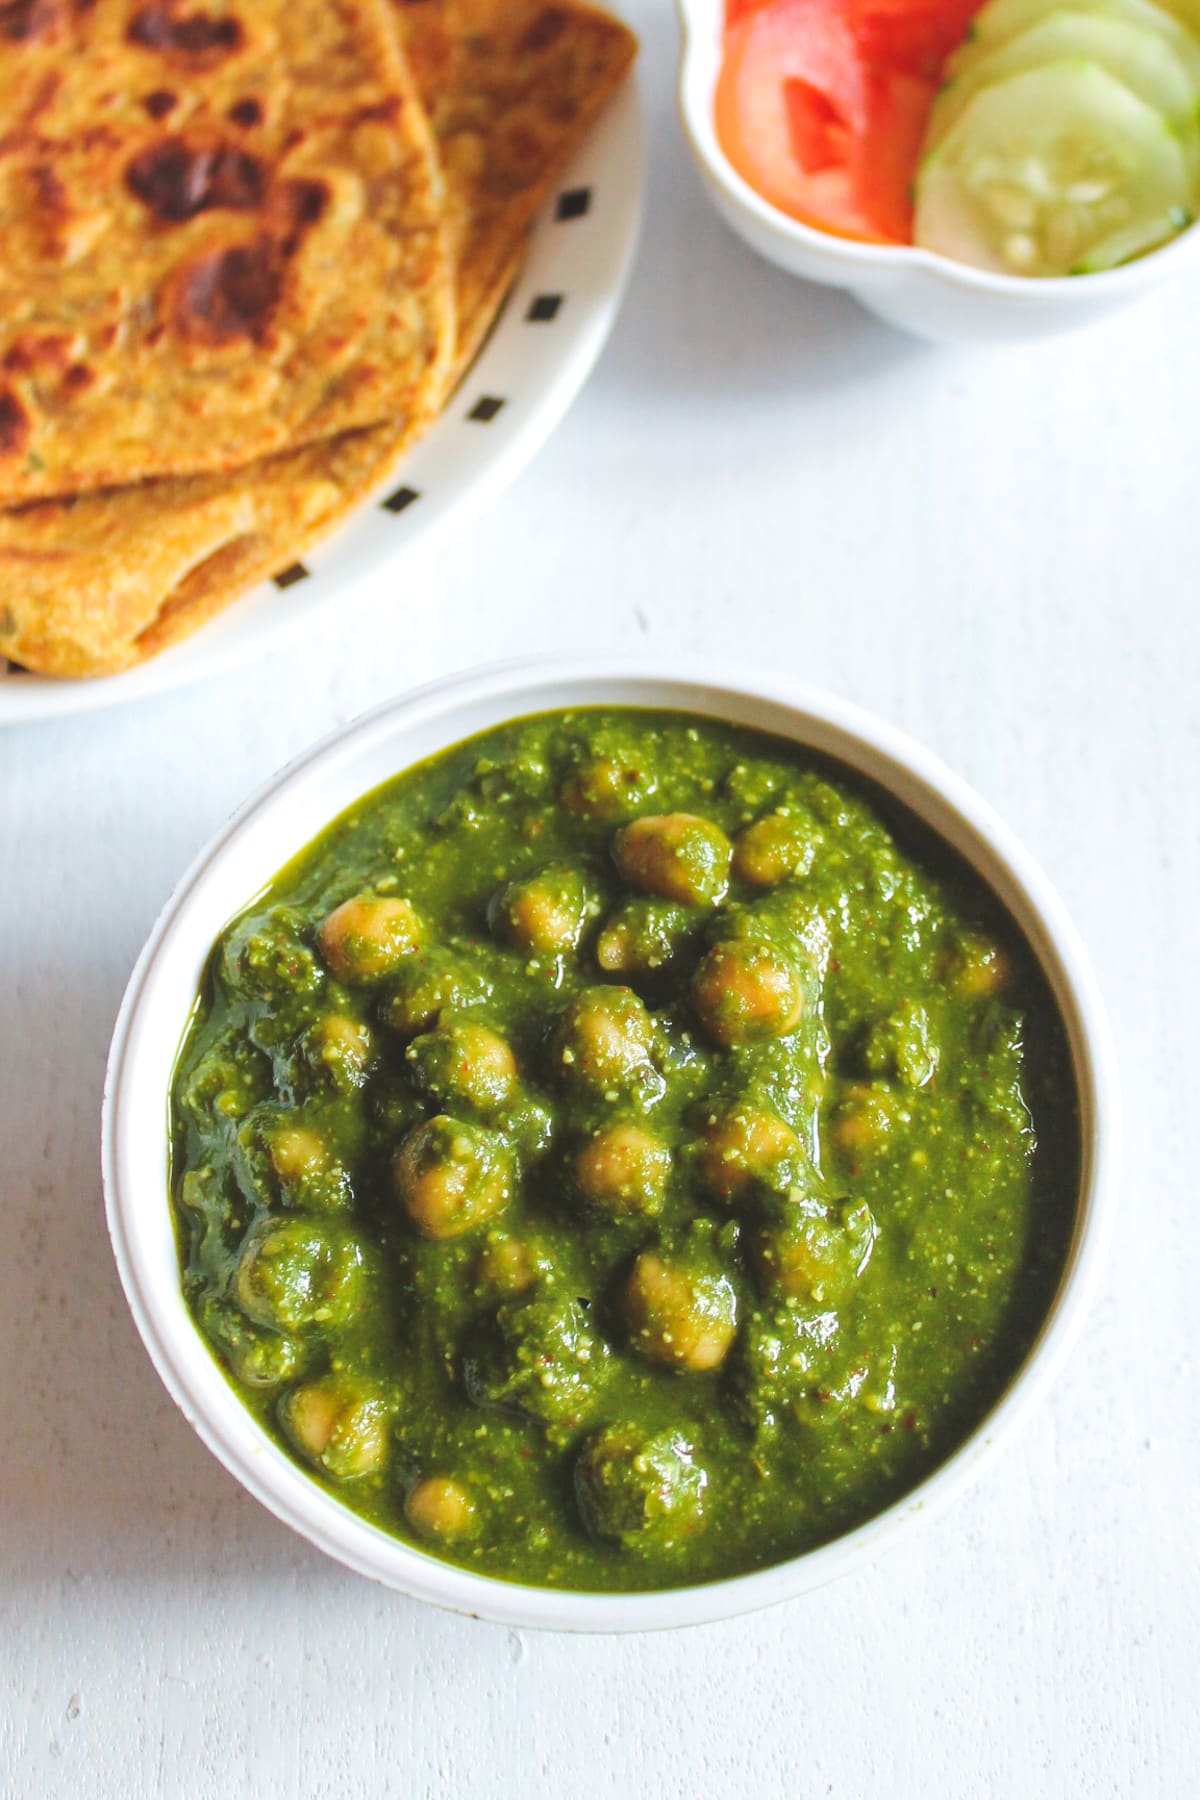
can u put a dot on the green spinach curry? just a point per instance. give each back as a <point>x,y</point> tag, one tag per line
<point>622,1151</point>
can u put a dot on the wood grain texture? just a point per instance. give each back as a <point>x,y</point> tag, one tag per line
<point>999,553</point>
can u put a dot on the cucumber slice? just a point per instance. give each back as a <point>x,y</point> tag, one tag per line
<point>1144,60</point>
<point>1187,12</point>
<point>1043,169</point>
<point>1178,21</point>
<point>1124,246</point>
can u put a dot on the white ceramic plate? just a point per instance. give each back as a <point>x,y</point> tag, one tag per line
<point>296,805</point>
<point>541,351</point>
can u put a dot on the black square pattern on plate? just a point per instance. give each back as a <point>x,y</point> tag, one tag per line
<point>400,500</point>
<point>287,578</point>
<point>573,203</point>
<point>485,409</point>
<point>544,308</point>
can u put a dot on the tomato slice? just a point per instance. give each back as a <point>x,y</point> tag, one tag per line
<point>738,9</point>
<point>911,37</point>
<point>900,33</point>
<point>821,136</point>
<point>822,105</point>
<point>791,108</point>
<point>891,151</point>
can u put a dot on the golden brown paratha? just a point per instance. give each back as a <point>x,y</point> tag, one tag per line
<point>220,235</point>
<point>511,87</point>
<point>94,585</point>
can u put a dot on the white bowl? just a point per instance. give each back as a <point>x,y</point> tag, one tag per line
<point>919,290</point>
<point>290,811</point>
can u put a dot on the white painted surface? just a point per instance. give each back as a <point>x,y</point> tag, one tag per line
<point>998,551</point>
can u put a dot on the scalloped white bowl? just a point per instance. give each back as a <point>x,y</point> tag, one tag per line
<point>286,815</point>
<point>918,290</point>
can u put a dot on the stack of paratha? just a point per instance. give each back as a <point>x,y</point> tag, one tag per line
<point>246,247</point>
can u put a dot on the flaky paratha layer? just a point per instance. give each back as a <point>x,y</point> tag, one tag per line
<point>102,582</point>
<point>511,87</point>
<point>221,235</point>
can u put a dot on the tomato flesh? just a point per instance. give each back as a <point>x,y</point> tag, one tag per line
<point>821,135</point>
<point>822,105</point>
<point>778,57</point>
<point>912,37</point>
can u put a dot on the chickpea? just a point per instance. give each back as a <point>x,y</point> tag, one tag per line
<point>428,984</point>
<point>451,1177</point>
<point>793,1365</point>
<point>607,788</point>
<point>541,1356</point>
<point>679,1315</point>
<point>260,1357</point>
<point>311,1177</point>
<point>341,1049</point>
<point>266,958</point>
<point>774,849</point>
<point>508,1267</point>
<point>530,1125</point>
<point>977,969</point>
<point>745,1149</point>
<point>296,1273</point>
<point>297,1153</point>
<point>819,1251</point>
<point>745,990</point>
<point>643,936</point>
<point>440,1509</point>
<point>544,914</point>
<point>903,1045</point>
<point>676,856</point>
<point>624,1169</point>
<point>866,1119</point>
<point>605,1039</point>
<point>464,1063</point>
<point>367,938</point>
<point>338,1426</point>
<point>636,1490</point>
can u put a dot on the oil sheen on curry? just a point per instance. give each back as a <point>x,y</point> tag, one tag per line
<point>621,1152</point>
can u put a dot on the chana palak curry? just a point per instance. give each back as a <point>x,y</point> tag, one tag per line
<point>622,1151</point>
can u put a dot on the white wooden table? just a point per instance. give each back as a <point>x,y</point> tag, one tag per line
<point>999,552</point>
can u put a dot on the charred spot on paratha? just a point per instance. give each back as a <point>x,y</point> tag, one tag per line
<point>35,351</point>
<point>302,204</point>
<point>15,424</point>
<point>50,195</point>
<point>196,37</point>
<point>229,294</point>
<point>78,378</point>
<point>27,21</point>
<point>234,293</point>
<point>178,178</point>
<point>545,30</point>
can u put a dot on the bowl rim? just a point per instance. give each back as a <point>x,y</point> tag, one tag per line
<point>696,89</point>
<point>885,755</point>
